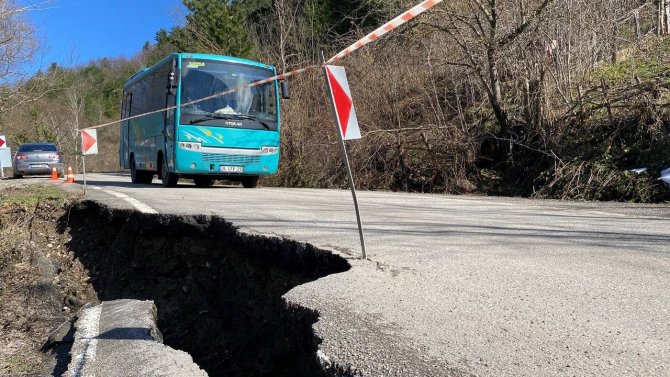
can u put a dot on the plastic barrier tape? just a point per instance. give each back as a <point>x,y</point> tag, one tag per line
<point>382,30</point>
<point>386,28</point>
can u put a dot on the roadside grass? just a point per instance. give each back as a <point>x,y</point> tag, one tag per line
<point>649,62</point>
<point>28,196</point>
<point>18,205</point>
<point>18,367</point>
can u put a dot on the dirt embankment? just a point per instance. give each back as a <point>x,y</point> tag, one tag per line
<point>41,282</point>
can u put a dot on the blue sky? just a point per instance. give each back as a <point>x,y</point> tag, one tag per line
<point>74,32</point>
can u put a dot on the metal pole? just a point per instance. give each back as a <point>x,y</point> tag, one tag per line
<point>345,157</point>
<point>83,161</point>
<point>353,195</point>
<point>2,168</point>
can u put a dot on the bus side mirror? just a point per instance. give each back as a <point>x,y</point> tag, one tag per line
<point>171,87</point>
<point>285,90</point>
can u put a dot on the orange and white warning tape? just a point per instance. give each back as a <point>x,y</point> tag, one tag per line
<point>384,29</point>
<point>387,27</point>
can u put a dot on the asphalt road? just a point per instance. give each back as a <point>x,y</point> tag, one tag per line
<point>457,285</point>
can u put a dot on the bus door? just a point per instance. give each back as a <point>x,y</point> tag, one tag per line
<point>169,121</point>
<point>125,131</point>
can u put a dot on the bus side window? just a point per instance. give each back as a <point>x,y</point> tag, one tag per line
<point>126,105</point>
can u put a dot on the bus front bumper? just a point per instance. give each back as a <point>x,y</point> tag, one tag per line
<point>226,162</point>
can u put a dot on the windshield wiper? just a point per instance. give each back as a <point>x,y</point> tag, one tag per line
<point>211,116</point>
<point>247,117</point>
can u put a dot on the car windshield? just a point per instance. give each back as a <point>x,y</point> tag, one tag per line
<point>202,78</point>
<point>38,148</point>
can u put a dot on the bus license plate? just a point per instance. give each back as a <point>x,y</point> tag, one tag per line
<point>231,169</point>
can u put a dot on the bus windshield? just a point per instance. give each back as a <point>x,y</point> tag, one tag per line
<point>253,107</point>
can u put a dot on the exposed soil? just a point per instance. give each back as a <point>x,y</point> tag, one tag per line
<point>41,282</point>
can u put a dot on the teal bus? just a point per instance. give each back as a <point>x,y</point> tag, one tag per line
<point>234,137</point>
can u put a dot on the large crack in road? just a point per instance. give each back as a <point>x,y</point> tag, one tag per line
<point>218,291</point>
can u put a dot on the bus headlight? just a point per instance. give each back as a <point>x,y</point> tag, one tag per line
<point>190,146</point>
<point>269,150</point>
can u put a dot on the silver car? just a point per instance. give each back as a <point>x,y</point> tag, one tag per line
<point>37,158</point>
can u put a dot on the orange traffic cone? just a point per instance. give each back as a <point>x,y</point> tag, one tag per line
<point>70,175</point>
<point>54,174</point>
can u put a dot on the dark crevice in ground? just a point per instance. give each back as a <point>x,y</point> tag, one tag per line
<point>218,291</point>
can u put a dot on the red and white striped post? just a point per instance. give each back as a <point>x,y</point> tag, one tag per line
<point>89,145</point>
<point>347,125</point>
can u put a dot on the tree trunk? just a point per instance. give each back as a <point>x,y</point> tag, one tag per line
<point>495,94</point>
<point>663,12</point>
<point>638,32</point>
<point>614,47</point>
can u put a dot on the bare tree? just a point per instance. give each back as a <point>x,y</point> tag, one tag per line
<point>17,47</point>
<point>17,42</point>
<point>662,17</point>
<point>485,32</point>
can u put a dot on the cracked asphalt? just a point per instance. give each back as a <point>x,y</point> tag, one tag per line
<point>458,285</point>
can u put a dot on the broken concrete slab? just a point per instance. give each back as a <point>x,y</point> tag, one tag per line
<point>121,338</point>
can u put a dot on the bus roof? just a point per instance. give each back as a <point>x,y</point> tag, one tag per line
<point>230,59</point>
<point>189,55</point>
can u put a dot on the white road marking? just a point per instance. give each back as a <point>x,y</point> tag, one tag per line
<point>89,328</point>
<point>117,194</point>
<point>132,201</point>
<point>141,206</point>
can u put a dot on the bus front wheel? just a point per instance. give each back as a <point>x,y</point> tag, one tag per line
<point>168,179</point>
<point>250,182</point>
